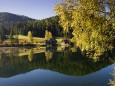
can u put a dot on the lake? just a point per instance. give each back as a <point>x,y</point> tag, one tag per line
<point>55,67</point>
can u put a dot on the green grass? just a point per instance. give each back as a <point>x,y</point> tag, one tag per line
<point>36,40</point>
<point>22,37</point>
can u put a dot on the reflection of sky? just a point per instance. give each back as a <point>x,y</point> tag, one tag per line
<point>38,9</point>
<point>50,78</point>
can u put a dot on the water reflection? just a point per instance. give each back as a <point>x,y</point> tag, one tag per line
<point>48,55</point>
<point>30,55</point>
<point>112,81</point>
<point>69,61</point>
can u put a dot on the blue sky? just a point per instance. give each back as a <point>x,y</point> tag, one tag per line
<point>38,9</point>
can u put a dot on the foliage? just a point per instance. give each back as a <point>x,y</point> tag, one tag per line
<point>21,26</point>
<point>8,18</point>
<point>48,55</point>
<point>30,37</point>
<point>2,32</point>
<point>30,55</point>
<point>93,27</point>
<point>37,27</point>
<point>112,82</point>
<point>11,37</point>
<point>0,38</point>
<point>65,62</point>
<point>48,35</point>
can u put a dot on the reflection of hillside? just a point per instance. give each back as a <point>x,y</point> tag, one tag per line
<point>64,62</point>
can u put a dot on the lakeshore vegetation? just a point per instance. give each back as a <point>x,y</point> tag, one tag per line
<point>90,26</point>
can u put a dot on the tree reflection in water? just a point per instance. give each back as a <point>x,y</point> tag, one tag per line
<point>112,81</point>
<point>48,55</point>
<point>30,55</point>
<point>65,61</point>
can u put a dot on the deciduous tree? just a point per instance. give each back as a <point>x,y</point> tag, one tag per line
<point>93,28</point>
<point>30,37</point>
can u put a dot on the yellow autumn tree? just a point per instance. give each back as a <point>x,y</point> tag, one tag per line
<point>30,37</point>
<point>93,28</point>
<point>48,35</point>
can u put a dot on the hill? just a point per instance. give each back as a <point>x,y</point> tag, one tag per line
<point>37,27</point>
<point>18,24</point>
<point>8,18</point>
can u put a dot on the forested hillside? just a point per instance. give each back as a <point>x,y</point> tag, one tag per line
<point>8,18</point>
<point>38,27</point>
<point>21,25</point>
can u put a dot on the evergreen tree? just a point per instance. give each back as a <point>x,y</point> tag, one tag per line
<point>46,35</point>
<point>11,36</point>
<point>39,26</point>
<point>2,33</point>
<point>0,39</point>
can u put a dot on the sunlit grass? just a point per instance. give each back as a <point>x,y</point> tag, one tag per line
<point>36,40</point>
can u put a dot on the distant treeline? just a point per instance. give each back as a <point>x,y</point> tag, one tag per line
<point>37,27</point>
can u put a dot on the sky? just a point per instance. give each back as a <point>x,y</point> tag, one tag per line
<point>37,9</point>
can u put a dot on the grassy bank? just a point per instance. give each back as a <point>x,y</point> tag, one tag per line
<point>23,42</point>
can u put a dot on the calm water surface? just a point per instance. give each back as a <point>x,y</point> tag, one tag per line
<point>55,67</point>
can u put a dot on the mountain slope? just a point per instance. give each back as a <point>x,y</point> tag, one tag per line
<point>7,18</point>
<point>20,25</point>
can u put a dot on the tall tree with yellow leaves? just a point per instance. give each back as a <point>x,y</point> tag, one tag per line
<point>90,22</point>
